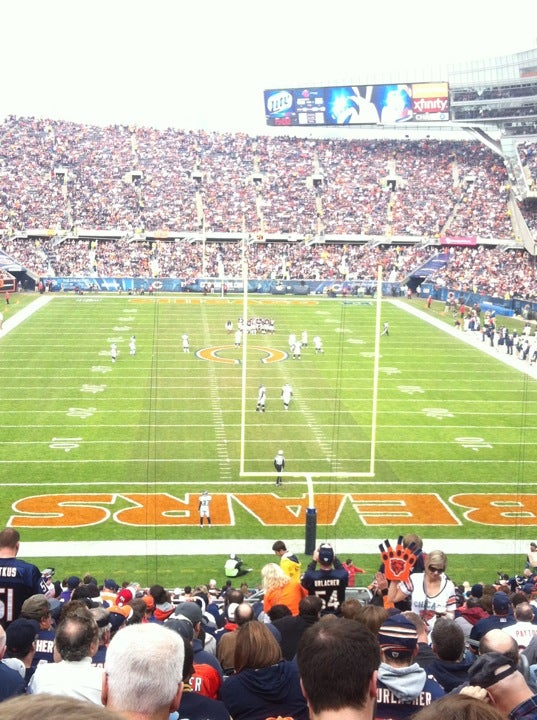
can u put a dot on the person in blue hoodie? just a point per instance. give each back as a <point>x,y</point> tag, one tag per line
<point>264,685</point>
<point>403,687</point>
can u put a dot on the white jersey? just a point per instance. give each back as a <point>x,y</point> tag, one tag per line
<point>132,345</point>
<point>318,343</point>
<point>261,395</point>
<point>238,337</point>
<point>287,393</point>
<point>205,502</point>
<point>186,342</point>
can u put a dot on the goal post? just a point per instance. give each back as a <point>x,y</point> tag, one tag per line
<point>370,473</point>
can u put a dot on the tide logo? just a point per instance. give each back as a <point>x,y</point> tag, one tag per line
<point>217,354</point>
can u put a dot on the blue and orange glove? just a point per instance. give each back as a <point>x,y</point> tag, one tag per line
<point>398,561</point>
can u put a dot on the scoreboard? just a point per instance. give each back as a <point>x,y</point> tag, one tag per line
<point>358,104</point>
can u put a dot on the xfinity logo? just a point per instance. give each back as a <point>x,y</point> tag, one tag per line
<point>431,105</point>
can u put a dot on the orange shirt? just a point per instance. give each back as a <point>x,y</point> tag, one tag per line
<point>289,595</point>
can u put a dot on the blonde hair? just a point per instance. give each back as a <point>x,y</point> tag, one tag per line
<point>273,577</point>
<point>437,557</point>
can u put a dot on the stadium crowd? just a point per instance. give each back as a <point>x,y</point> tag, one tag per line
<point>63,176</point>
<point>414,642</point>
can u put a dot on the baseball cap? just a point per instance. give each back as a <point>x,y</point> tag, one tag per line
<point>20,634</point>
<point>398,636</point>
<point>490,668</point>
<point>73,582</point>
<point>230,612</point>
<point>182,626</point>
<point>190,610</point>
<point>35,607</point>
<point>110,584</point>
<point>326,554</point>
<point>477,590</point>
<point>500,603</point>
<point>124,597</point>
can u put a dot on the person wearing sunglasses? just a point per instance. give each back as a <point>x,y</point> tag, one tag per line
<point>431,593</point>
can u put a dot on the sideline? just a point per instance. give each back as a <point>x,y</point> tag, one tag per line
<point>21,315</point>
<point>245,547</point>
<point>470,338</point>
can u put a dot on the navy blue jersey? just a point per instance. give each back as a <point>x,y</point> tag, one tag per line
<point>18,581</point>
<point>328,585</point>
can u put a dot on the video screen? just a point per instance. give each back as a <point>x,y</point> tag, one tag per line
<point>358,104</point>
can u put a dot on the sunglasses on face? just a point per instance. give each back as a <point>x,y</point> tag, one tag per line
<point>435,569</point>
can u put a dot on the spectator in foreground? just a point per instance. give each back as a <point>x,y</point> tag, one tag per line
<point>459,707</point>
<point>67,708</point>
<point>77,640</point>
<point>264,685</point>
<point>498,675</point>
<point>11,681</point>
<point>144,671</point>
<point>402,683</point>
<point>292,627</point>
<point>18,578</point>
<point>326,652</point>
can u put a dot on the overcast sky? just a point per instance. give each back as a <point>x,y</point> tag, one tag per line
<point>204,63</point>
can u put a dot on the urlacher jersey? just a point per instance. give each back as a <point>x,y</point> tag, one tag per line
<point>329,585</point>
<point>18,581</point>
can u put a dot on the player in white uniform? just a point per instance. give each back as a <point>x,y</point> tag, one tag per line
<point>238,338</point>
<point>186,343</point>
<point>132,345</point>
<point>297,350</point>
<point>304,338</point>
<point>318,345</point>
<point>205,508</point>
<point>261,399</point>
<point>292,341</point>
<point>113,352</point>
<point>287,394</point>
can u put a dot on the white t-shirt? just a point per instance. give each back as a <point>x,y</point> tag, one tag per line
<point>426,606</point>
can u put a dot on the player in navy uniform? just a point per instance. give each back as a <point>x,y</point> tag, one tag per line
<point>328,583</point>
<point>18,579</point>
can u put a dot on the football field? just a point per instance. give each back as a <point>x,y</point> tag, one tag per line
<point>106,460</point>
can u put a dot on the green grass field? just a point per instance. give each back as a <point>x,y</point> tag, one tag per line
<point>98,451</point>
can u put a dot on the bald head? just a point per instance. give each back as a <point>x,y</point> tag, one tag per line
<point>499,641</point>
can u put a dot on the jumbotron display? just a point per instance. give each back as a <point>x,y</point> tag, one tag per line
<point>358,104</point>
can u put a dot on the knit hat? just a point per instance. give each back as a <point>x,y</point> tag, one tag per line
<point>326,554</point>
<point>397,636</point>
<point>490,668</point>
<point>477,590</point>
